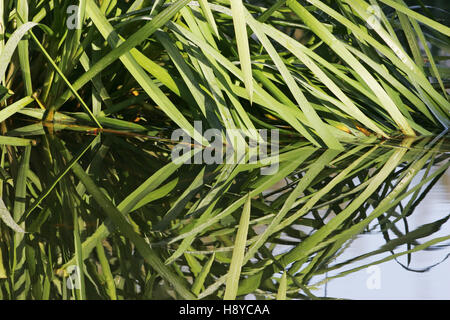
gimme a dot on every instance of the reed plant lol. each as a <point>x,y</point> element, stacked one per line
<point>93,207</point>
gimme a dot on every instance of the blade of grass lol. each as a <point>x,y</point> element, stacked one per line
<point>237,259</point>
<point>240,30</point>
<point>209,16</point>
<point>200,279</point>
<point>13,141</point>
<point>266,14</point>
<point>290,115</point>
<point>428,53</point>
<point>394,51</point>
<point>24,57</point>
<point>11,45</point>
<point>16,106</point>
<point>281,294</point>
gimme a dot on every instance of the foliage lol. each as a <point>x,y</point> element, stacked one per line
<point>356,89</point>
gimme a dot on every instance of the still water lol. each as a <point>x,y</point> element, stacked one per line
<point>395,281</point>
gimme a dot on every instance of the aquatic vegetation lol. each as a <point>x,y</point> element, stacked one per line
<point>94,207</point>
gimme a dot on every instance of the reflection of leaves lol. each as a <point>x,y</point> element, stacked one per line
<point>420,232</point>
<point>250,284</point>
<point>310,210</point>
<point>237,259</point>
<point>5,215</point>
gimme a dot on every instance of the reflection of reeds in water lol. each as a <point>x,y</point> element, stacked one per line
<point>426,278</point>
<point>126,194</point>
<point>109,209</point>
